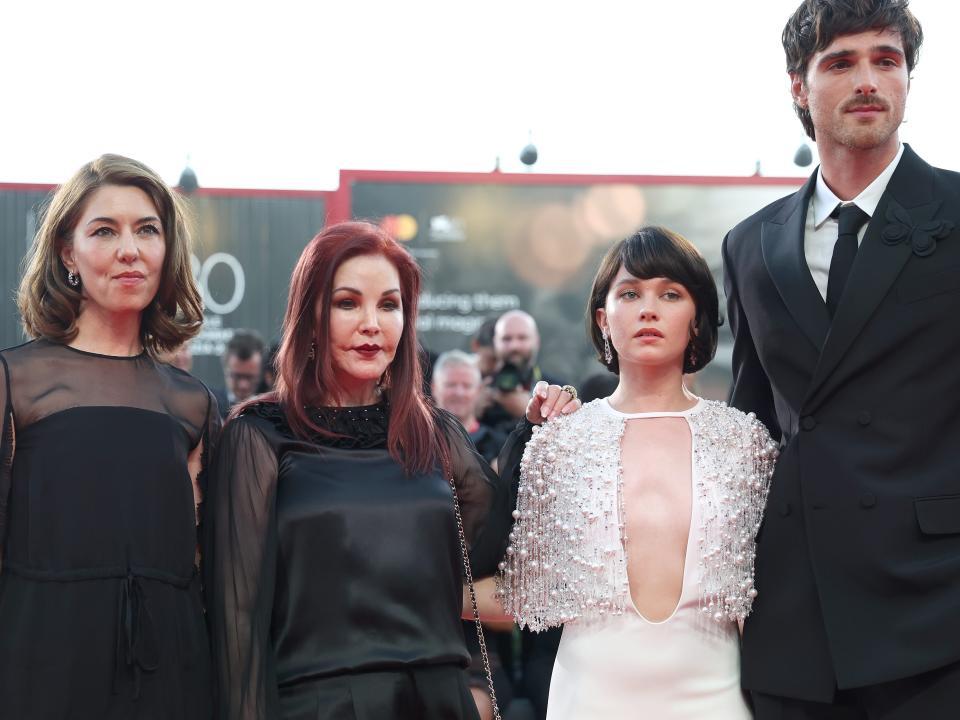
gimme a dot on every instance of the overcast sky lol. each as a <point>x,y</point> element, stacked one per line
<point>284,94</point>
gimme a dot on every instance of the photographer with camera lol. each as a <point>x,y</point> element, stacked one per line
<point>516,342</point>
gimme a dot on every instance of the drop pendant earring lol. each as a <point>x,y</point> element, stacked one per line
<point>691,353</point>
<point>607,352</point>
<point>73,278</point>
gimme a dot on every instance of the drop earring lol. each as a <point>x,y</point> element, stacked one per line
<point>607,352</point>
<point>691,353</point>
<point>73,278</point>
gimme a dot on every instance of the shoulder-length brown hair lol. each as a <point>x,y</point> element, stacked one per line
<point>412,437</point>
<point>653,252</point>
<point>49,306</point>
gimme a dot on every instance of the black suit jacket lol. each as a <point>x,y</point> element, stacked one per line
<point>858,557</point>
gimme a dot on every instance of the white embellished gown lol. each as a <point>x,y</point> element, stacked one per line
<point>568,560</point>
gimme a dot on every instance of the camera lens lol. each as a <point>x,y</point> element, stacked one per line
<point>507,379</point>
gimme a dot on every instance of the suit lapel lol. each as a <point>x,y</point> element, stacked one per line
<point>877,264</point>
<point>782,241</point>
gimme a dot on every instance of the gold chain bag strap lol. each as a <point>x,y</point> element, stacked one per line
<point>473,596</point>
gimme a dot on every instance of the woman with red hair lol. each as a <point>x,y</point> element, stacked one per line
<point>333,546</point>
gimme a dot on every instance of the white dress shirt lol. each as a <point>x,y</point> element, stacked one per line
<point>821,231</point>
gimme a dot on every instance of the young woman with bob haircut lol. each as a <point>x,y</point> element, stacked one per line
<point>101,453</point>
<point>636,515</point>
<point>333,558</point>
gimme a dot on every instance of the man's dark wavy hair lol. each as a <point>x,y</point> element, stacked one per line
<point>816,23</point>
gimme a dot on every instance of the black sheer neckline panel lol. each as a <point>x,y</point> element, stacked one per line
<point>47,378</point>
<point>104,356</point>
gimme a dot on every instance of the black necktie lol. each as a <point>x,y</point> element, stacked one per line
<point>850,218</point>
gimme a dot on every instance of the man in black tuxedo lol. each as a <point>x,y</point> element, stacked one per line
<point>844,302</point>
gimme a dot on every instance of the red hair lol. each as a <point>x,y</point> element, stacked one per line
<point>412,438</point>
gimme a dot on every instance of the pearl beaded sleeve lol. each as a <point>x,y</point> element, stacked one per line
<point>735,456</point>
<point>566,557</point>
<point>565,554</point>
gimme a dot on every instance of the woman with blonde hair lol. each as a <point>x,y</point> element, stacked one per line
<point>101,456</point>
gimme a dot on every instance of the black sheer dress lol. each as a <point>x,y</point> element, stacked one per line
<point>334,580</point>
<point>100,606</point>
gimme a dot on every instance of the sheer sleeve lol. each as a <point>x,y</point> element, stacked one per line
<point>6,450</point>
<point>484,500</point>
<point>210,438</point>
<point>512,453</point>
<point>239,560</point>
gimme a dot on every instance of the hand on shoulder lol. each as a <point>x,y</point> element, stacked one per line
<point>549,401</point>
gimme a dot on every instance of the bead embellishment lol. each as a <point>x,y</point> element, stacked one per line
<point>567,559</point>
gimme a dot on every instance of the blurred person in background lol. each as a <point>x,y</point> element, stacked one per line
<point>102,453</point>
<point>456,385</point>
<point>516,342</point>
<point>269,380</point>
<point>598,385</point>
<point>242,369</point>
<point>481,345</point>
<point>180,357</point>
<point>334,548</point>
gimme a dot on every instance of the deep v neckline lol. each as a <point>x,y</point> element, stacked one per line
<point>627,418</point>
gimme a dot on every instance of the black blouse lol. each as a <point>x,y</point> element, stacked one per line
<point>322,557</point>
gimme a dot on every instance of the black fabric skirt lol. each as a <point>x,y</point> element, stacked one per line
<point>64,651</point>
<point>422,693</point>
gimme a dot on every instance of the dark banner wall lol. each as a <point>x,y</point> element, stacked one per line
<point>246,250</point>
<point>486,248</point>
<point>19,211</point>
